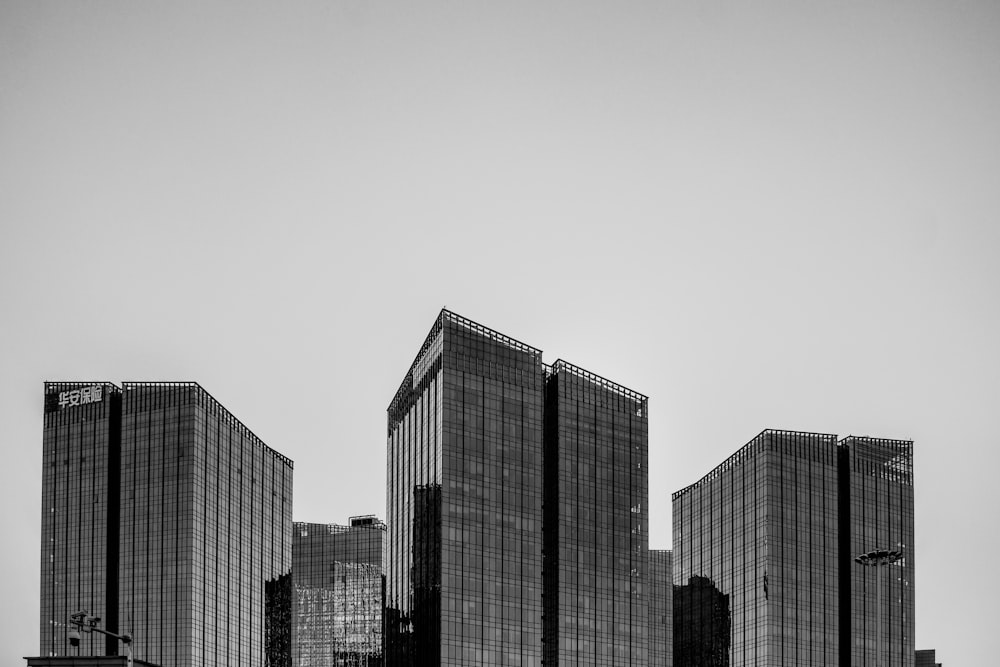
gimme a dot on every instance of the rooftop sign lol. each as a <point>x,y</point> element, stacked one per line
<point>81,396</point>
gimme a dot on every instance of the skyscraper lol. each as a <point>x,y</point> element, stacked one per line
<point>81,451</point>
<point>464,506</point>
<point>166,517</point>
<point>595,521</point>
<point>877,600</point>
<point>477,425</point>
<point>767,555</point>
<point>339,590</point>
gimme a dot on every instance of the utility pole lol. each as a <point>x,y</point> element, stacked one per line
<point>84,622</point>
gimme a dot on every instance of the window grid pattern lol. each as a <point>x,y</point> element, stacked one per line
<point>755,557</point>
<point>337,576</point>
<point>596,490</point>
<point>180,520</point>
<point>880,474</point>
<point>764,547</point>
<point>79,448</point>
<point>661,608</point>
<point>464,502</point>
<point>206,533</point>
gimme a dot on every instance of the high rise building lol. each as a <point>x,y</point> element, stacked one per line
<point>166,517</point>
<point>475,429</point>
<point>464,505</point>
<point>339,591</point>
<point>595,521</point>
<point>770,553</point>
<point>661,608</point>
<point>877,595</point>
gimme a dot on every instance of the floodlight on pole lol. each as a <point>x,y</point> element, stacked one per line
<point>84,622</point>
<point>879,558</point>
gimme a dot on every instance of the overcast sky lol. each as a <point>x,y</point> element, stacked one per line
<point>761,215</point>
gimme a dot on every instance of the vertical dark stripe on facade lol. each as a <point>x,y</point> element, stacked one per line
<point>48,600</point>
<point>74,567</point>
<point>240,555</point>
<point>159,465</point>
<point>788,568</point>
<point>114,520</point>
<point>550,538</point>
<point>201,630</point>
<point>227,555</point>
<point>128,575</point>
<point>146,496</point>
<point>171,533</point>
<point>217,509</point>
<point>844,560</point>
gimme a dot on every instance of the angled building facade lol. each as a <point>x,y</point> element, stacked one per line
<point>464,505</point>
<point>338,593</point>
<point>765,549</point>
<point>474,431</point>
<point>165,516</point>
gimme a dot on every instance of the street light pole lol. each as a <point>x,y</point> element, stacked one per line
<point>84,622</point>
<point>878,559</point>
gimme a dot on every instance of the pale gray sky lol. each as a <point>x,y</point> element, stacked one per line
<point>770,214</point>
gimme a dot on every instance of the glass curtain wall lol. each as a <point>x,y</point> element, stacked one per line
<point>755,556</point>
<point>464,502</point>
<point>596,442</point>
<point>879,479</point>
<point>765,547</point>
<point>338,581</point>
<point>661,608</point>
<point>80,442</point>
<point>205,533</point>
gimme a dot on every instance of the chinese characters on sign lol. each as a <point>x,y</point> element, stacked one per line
<point>82,396</point>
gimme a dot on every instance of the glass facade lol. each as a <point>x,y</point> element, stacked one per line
<point>764,548</point>
<point>464,502</point>
<point>878,477</point>
<point>481,435</point>
<point>198,528</point>
<point>80,449</point>
<point>339,586</point>
<point>596,525</point>
<point>661,608</point>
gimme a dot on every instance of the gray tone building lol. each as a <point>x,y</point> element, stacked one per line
<point>464,505</point>
<point>595,521</point>
<point>339,593</point>
<point>166,517</point>
<point>661,608</point>
<point>476,427</point>
<point>764,555</point>
<point>81,451</point>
